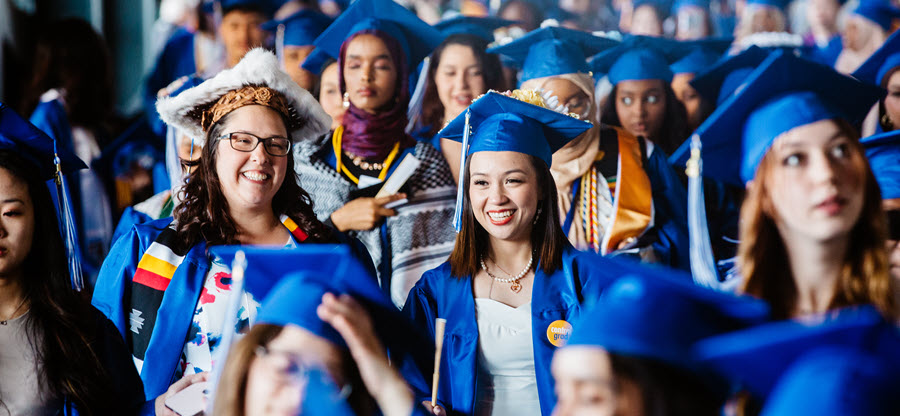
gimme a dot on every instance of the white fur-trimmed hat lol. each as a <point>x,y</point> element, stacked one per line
<point>259,67</point>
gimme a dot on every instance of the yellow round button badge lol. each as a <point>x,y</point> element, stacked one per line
<point>558,332</point>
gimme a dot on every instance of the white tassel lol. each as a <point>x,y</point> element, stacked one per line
<point>457,214</point>
<point>417,100</point>
<point>703,265</point>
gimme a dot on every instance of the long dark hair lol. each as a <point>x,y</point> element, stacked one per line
<point>71,56</point>
<point>60,322</point>
<point>231,396</point>
<point>674,130</point>
<point>203,211</point>
<point>889,126</point>
<point>491,71</point>
<point>666,389</point>
<point>547,236</point>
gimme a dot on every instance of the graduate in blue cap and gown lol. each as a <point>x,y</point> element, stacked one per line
<point>512,282</point>
<point>294,36</point>
<point>159,283</point>
<point>631,352</point>
<point>229,28</point>
<point>633,199</point>
<point>767,362</point>
<point>59,354</point>
<point>812,227</point>
<point>824,32</point>
<point>883,152</point>
<point>865,30</point>
<point>879,70</point>
<point>323,319</point>
<point>378,44</point>
<point>458,71</point>
<point>761,17</point>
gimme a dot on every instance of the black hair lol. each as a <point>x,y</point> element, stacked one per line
<point>674,130</point>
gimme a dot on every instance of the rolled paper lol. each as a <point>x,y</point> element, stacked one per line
<point>439,325</point>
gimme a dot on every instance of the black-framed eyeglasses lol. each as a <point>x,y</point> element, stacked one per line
<point>247,142</point>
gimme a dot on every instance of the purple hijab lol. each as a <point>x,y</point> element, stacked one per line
<point>372,136</point>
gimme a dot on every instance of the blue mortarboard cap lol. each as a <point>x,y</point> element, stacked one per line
<point>756,357</point>
<point>880,12</point>
<point>883,151</point>
<point>291,283</point>
<point>779,4</point>
<point>886,58</point>
<point>718,83</point>
<point>267,7</point>
<point>316,61</point>
<point>483,27</point>
<point>501,123</point>
<point>31,143</point>
<point>416,37</point>
<point>704,54</point>
<point>553,51</point>
<point>301,28</point>
<point>783,93</point>
<point>660,313</point>
<point>843,381</point>
<point>498,123</point>
<point>639,58</point>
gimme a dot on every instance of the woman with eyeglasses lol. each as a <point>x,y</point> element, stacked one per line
<point>162,289</point>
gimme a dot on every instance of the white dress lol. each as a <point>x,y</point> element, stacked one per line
<point>505,381</point>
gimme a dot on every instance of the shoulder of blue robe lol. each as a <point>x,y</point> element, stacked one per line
<point>130,217</point>
<point>50,117</point>
<point>670,212</point>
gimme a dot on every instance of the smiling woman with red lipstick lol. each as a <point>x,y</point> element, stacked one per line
<point>406,228</point>
<point>160,279</point>
<point>512,285</point>
<point>812,231</point>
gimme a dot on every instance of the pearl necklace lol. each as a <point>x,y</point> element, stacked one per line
<point>516,286</point>
<point>362,163</point>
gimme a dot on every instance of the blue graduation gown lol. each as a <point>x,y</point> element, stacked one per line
<point>558,296</point>
<point>176,311</point>
<point>669,212</point>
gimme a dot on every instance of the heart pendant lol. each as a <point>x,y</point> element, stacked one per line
<point>516,287</point>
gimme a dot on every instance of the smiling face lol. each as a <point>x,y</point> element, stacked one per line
<point>570,95</point>
<point>504,193</point>
<point>370,76</point>
<point>16,224</point>
<point>275,378</point>
<point>249,180</point>
<point>293,57</point>
<point>459,79</point>
<point>641,106</point>
<point>815,182</point>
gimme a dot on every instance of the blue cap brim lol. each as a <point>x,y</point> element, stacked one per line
<point>553,51</point>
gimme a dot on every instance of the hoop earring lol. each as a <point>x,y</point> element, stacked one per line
<point>346,102</point>
<point>537,216</point>
<point>886,121</point>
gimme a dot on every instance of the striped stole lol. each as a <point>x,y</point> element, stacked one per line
<point>152,277</point>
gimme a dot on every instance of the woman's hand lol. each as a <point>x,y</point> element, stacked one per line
<point>355,326</point>
<point>160,403</point>
<point>364,213</point>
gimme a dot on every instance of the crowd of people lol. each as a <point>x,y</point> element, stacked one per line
<point>686,208</point>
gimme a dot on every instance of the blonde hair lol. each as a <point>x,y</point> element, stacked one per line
<point>232,387</point>
<point>864,277</point>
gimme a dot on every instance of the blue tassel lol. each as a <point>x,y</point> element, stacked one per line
<point>70,235</point>
<point>703,265</point>
<point>460,189</point>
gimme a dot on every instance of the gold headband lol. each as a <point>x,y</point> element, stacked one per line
<point>247,95</point>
